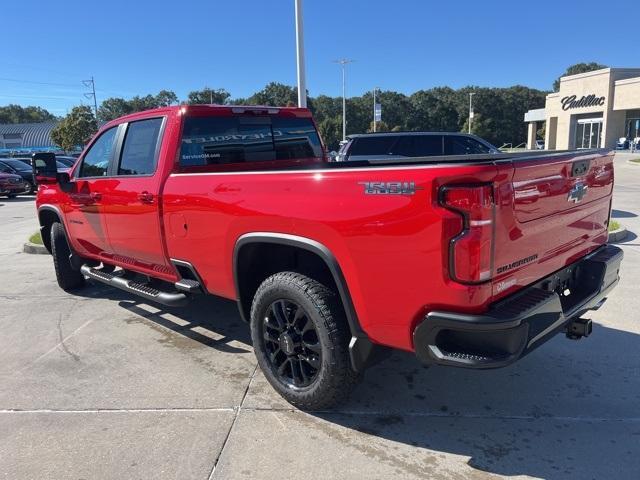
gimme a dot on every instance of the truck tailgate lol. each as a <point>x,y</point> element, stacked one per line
<point>553,210</point>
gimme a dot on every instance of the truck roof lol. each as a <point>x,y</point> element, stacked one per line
<point>212,109</point>
<point>411,132</point>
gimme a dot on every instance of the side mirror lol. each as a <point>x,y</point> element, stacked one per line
<point>45,168</point>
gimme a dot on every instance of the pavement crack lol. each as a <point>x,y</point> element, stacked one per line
<point>233,423</point>
<point>62,340</point>
<point>55,347</point>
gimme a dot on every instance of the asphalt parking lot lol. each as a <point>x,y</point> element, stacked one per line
<point>102,385</point>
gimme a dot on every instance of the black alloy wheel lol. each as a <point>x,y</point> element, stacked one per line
<point>301,340</point>
<point>292,344</point>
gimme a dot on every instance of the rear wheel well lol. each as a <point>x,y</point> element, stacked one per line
<point>258,260</point>
<point>47,218</point>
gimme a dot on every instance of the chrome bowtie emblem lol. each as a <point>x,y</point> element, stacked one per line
<point>577,193</point>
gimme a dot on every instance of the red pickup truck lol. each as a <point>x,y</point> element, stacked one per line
<point>469,261</point>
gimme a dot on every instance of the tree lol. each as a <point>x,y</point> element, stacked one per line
<point>115,107</point>
<point>17,114</point>
<point>275,94</point>
<point>76,129</point>
<point>434,110</point>
<point>575,69</point>
<point>331,132</point>
<point>381,126</point>
<point>165,98</point>
<point>218,96</point>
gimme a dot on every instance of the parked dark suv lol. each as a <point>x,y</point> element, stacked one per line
<point>16,167</point>
<point>382,146</point>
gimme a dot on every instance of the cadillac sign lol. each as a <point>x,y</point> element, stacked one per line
<point>572,101</point>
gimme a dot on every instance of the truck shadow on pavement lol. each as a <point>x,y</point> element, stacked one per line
<point>622,214</point>
<point>211,321</point>
<point>570,410</point>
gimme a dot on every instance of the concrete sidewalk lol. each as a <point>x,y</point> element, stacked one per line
<point>103,385</point>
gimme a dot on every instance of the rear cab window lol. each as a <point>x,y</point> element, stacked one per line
<point>418,146</point>
<point>247,142</point>
<point>140,148</point>
<point>395,146</point>
<point>461,145</point>
<point>372,146</point>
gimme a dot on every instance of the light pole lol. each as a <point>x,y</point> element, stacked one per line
<point>374,109</point>
<point>471,94</point>
<point>343,62</point>
<point>302,81</point>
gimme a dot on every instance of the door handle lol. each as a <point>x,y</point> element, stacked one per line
<point>95,196</point>
<point>145,197</point>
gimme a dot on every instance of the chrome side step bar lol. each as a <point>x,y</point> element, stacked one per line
<point>171,299</point>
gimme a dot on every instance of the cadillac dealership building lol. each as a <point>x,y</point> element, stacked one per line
<point>591,110</point>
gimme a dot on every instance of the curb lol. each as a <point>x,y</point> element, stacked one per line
<point>34,249</point>
<point>618,235</point>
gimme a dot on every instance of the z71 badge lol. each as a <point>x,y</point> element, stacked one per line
<point>390,188</point>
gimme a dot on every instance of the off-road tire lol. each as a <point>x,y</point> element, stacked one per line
<point>335,379</point>
<point>68,278</point>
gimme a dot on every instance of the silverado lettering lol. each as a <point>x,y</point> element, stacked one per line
<point>195,200</point>
<point>517,263</point>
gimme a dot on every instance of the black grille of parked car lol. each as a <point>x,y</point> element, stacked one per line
<point>15,180</point>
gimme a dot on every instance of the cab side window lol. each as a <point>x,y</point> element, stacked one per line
<point>96,161</point>
<point>139,152</point>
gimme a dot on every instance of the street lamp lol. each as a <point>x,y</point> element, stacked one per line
<point>375,110</point>
<point>471,94</point>
<point>302,81</point>
<point>343,62</point>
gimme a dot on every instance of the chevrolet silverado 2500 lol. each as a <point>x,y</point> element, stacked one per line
<point>468,261</point>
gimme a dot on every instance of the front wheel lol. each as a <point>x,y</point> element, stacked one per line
<point>301,339</point>
<point>68,278</point>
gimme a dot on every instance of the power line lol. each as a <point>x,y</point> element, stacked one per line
<point>59,97</point>
<point>17,80</point>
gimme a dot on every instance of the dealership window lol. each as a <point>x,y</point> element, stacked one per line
<point>632,127</point>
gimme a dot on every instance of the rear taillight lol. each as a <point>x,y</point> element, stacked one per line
<point>471,250</point>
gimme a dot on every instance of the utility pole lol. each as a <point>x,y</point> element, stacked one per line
<point>302,80</point>
<point>471,94</point>
<point>343,62</point>
<point>92,94</point>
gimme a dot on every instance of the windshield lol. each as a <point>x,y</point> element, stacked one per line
<point>66,160</point>
<point>17,165</point>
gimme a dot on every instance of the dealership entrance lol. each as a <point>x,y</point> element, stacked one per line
<point>598,109</point>
<point>588,133</point>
